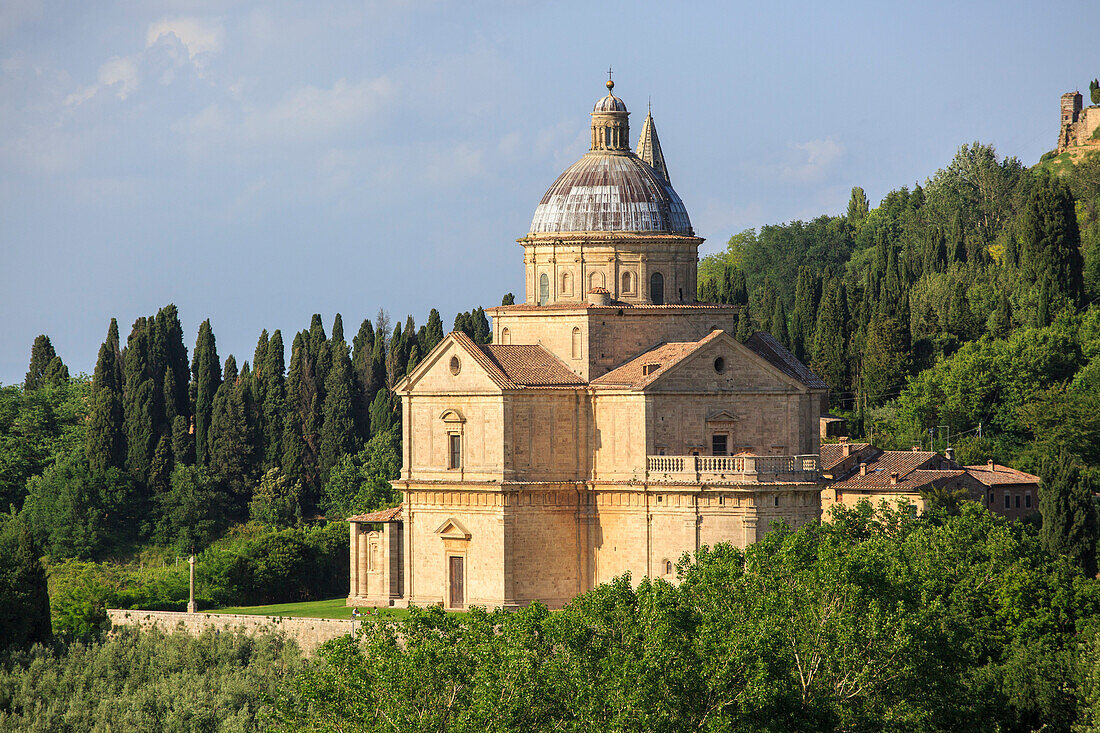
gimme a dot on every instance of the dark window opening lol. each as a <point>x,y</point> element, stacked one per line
<point>544,289</point>
<point>1017,501</point>
<point>657,288</point>
<point>718,445</point>
<point>1027,501</point>
<point>1008,501</point>
<point>455,459</point>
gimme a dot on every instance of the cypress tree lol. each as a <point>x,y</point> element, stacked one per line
<point>229,446</point>
<point>171,356</point>
<point>273,406</point>
<point>381,413</point>
<point>410,341</point>
<point>104,446</point>
<point>139,402</point>
<point>362,347</point>
<point>725,285</point>
<point>829,353</point>
<point>802,319</point>
<point>708,291</point>
<point>778,328</point>
<point>482,333</point>
<point>24,600</point>
<point>42,353</point>
<point>1050,240</point>
<point>395,359</point>
<point>338,429</point>
<point>433,333</point>
<point>739,291</point>
<point>1069,512</point>
<point>293,443</point>
<point>1000,321</point>
<point>57,374</point>
<point>183,443</point>
<point>508,299</point>
<point>338,328</point>
<point>1042,312</point>
<point>858,206</point>
<point>208,377</point>
<point>885,361</point>
<point>744,324</point>
<point>462,324</point>
<point>377,366</point>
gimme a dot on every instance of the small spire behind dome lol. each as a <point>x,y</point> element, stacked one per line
<point>649,148</point>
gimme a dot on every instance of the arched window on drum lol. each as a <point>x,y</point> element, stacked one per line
<point>657,288</point>
<point>544,289</point>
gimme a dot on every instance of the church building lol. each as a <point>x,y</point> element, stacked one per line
<point>613,424</point>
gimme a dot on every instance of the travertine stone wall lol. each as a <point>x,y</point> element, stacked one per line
<point>309,633</point>
<point>608,336</point>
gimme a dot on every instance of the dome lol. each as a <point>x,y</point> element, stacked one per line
<point>610,103</point>
<point>611,192</point>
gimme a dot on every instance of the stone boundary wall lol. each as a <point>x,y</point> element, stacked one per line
<point>310,633</point>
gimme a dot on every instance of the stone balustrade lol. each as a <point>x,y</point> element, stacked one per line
<point>732,469</point>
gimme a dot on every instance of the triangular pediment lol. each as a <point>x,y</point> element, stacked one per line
<point>722,416</point>
<point>452,529</point>
<point>749,364</point>
<point>456,364</point>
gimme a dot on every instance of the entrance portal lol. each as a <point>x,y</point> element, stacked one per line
<point>458,595</point>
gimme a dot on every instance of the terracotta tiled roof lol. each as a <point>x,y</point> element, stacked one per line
<point>643,370</point>
<point>914,481</point>
<point>396,514</point>
<point>530,365</point>
<point>775,354</point>
<point>495,373</point>
<point>996,475</point>
<point>833,453</point>
<point>904,461</point>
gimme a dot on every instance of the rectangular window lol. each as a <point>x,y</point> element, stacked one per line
<point>1017,501</point>
<point>455,458</point>
<point>1027,500</point>
<point>718,445</point>
<point>1008,501</point>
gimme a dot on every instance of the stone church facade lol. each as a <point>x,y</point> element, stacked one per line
<point>614,423</point>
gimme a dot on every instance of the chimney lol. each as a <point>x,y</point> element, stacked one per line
<point>915,449</point>
<point>863,469</point>
<point>949,452</point>
<point>842,439</point>
<point>894,478</point>
<point>847,449</point>
<point>991,465</point>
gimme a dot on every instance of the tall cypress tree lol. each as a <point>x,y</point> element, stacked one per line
<point>104,446</point>
<point>338,429</point>
<point>739,291</point>
<point>293,443</point>
<point>273,405</point>
<point>1069,514</point>
<point>139,402</point>
<point>395,358</point>
<point>829,353</point>
<point>362,348</point>
<point>744,324</point>
<point>230,447</point>
<point>42,353</point>
<point>1050,240</point>
<point>482,333</point>
<point>338,328</point>
<point>433,333</point>
<point>885,360</point>
<point>171,356</point>
<point>778,326</point>
<point>207,373</point>
<point>802,319</point>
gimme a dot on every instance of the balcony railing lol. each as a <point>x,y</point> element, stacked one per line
<point>732,469</point>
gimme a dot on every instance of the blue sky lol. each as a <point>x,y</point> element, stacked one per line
<point>255,163</point>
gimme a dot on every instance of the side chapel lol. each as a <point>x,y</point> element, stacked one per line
<point>612,425</point>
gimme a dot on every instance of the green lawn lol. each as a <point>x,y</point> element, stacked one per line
<point>333,608</point>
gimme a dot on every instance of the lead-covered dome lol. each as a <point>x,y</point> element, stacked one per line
<point>611,192</point>
<point>611,189</point>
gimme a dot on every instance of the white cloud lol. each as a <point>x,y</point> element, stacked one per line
<point>814,157</point>
<point>198,35</point>
<point>313,112</point>
<point>120,74</point>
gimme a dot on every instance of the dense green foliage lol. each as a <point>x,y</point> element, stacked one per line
<point>878,621</point>
<point>24,603</point>
<point>147,681</point>
<point>968,305</point>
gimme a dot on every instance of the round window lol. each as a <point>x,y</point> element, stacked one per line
<point>456,365</point>
<point>719,365</point>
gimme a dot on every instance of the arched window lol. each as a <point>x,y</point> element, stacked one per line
<point>657,288</point>
<point>505,336</point>
<point>628,283</point>
<point>566,284</point>
<point>668,567</point>
<point>544,289</point>
<point>576,343</point>
<point>607,136</point>
<point>595,280</point>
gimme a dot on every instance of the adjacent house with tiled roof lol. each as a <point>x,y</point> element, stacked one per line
<point>612,425</point>
<point>1011,493</point>
<point>896,477</point>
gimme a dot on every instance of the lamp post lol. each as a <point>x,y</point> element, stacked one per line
<point>191,602</point>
